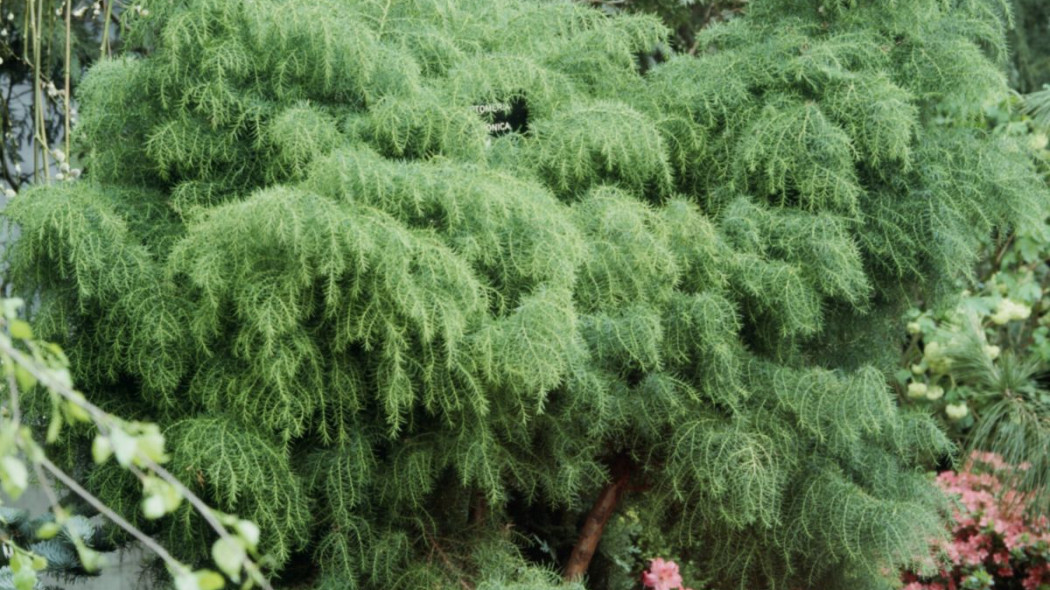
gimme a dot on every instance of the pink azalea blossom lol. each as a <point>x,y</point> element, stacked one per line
<point>662,575</point>
<point>992,533</point>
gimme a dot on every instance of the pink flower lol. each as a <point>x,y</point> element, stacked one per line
<point>662,575</point>
<point>992,531</point>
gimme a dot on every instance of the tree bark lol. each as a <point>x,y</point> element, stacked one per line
<point>479,509</point>
<point>604,506</point>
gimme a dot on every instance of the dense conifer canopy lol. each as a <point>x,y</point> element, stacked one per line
<point>361,313</point>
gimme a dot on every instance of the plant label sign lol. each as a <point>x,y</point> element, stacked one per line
<point>504,116</point>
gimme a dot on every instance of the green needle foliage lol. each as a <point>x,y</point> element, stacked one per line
<point>392,338</point>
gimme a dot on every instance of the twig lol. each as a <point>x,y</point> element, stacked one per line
<point>104,49</point>
<point>52,497</point>
<point>382,20</point>
<point>448,562</point>
<point>16,411</point>
<point>69,59</point>
<point>106,511</point>
<point>1002,251</point>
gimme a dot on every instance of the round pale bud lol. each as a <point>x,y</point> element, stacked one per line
<point>956,411</point>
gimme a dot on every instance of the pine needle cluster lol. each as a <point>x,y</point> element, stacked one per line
<point>386,335</point>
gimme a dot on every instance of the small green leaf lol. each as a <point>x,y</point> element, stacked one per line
<point>54,427</point>
<point>20,329</point>
<point>248,531</point>
<point>14,477</point>
<point>24,566</point>
<point>162,497</point>
<point>151,443</point>
<point>229,554</point>
<point>199,580</point>
<point>25,575</point>
<point>153,507</point>
<point>62,376</point>
<point>57,352</point>
<point>187,581</point>
<point>124,446</point>
<point>8,433</point>
<point>209,580</point>
<point>101,449</point>
<point>902,376</point>
<point>17,561</point>
<point>25,379</point>
<point>48,530</point>
<point>11,306</point>
<point>76,412</point>
<point>1029,249</point>
<point>92,560</point>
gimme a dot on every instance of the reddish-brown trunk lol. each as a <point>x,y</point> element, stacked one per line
<point>593,527</point>
<point>479,509</point>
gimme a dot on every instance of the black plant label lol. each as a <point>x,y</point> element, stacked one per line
<point>504,116</point>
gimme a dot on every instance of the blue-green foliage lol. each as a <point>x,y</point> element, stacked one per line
<point>365,318</point>
<point>60,550</point>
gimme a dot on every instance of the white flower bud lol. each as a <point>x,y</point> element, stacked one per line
<point>934,393</point>
<point>916,390</point>
<point>1021,311</point>
<point>956,411</point>
<point>932,350</point>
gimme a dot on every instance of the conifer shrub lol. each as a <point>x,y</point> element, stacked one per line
<point>404,334</point>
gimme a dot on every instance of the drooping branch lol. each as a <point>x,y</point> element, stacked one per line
<point>594,526</point>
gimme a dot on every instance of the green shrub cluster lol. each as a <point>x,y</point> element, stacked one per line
<point>981,362</point>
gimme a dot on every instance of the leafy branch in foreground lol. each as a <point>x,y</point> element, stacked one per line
<point>136,446</point>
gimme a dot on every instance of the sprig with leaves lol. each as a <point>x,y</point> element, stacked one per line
<point>136,446</point>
